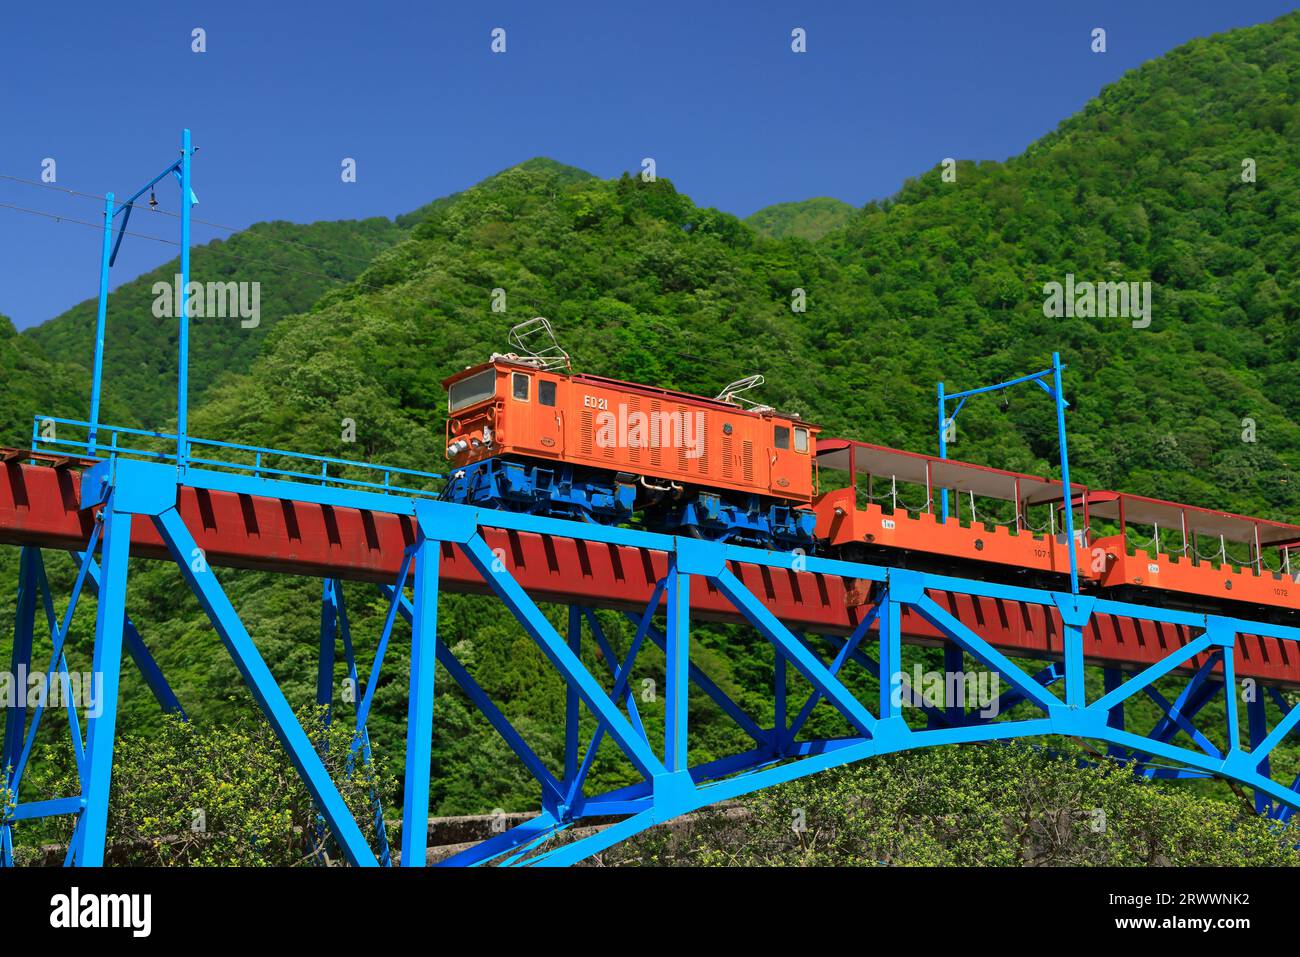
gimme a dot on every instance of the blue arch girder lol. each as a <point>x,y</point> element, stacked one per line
<point>670,784</point>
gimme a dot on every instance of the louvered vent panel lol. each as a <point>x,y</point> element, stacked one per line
<point>678,438</point>
<point>656,448</point>
<point>728,470</point>
<point>748,461</point>
<point>638,430</point>
<point>585,440</point>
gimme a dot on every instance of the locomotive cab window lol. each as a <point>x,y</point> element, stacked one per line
<point>519,386</point>
<point>546,392</point>
<point>471,391</point>
<point>781,435</point>
<point>801,440</point>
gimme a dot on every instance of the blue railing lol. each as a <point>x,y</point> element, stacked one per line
<point>112,441</point>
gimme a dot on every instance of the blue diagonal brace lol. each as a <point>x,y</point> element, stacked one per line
<point>139,651</point>
<point>716,694</point>
<point>841,657</point>
<point>381,649</point>
<point>500,723</point>
<point>541,826</point>
<point>58,663</point>
<point>787,644</point>
<point>1153,673</point>
<point>1180,720</point>
<point>261,683</point>
<point>1194,696</point>
<point>622,674</point>
<point>984,653</point>
<point>629,699</point>
<point>1280,731</point>
<point>557,650</point>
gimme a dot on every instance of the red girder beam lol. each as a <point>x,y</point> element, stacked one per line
<point>39,505</point>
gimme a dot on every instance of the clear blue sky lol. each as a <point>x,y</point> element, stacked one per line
<point>412,91</point>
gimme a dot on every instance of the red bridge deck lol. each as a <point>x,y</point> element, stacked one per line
<point>40,505</point>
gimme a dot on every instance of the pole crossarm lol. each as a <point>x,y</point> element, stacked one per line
<point>1049,380</point>
<point>109,248</point>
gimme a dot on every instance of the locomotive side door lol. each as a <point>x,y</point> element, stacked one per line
<point>551,395</point>
<point>535,425</point>
<point>791,461</point>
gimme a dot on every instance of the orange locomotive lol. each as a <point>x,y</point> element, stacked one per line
<point>526,434</point>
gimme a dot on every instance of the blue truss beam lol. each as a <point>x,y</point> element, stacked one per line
<point>845,652</point>
<point>794,651</point>
<point>629,699</point>
<point>715,693</point>
<point>621,678</point>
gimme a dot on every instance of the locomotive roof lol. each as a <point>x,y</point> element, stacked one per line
<point>637,387</point>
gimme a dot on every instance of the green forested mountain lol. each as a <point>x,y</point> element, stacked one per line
<point>294,264</point>
<point>31,383</point>
<point>945,280</point>
<point>810,219</point>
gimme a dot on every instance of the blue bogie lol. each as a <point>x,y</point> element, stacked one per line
<point>541,490</point>
<point>753,518</point>
<point>561,489</point>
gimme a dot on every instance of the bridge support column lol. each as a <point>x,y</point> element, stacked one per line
<point>419,713</point>
<point>110,619</point>
<point>678,653</point>
<point>1076,612</point>
<point>16,713</point>
<point>328,641</point>
<point>571,701</point>
<point>1257,728</point>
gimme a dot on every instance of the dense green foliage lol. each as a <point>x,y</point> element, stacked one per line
<point>984,805</point>
<point>810,219</point>
<point>945,280</point>
<point>224,795</point>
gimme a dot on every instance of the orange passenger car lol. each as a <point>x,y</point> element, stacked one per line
<point>1188,552</point>
<point>895,477</point>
